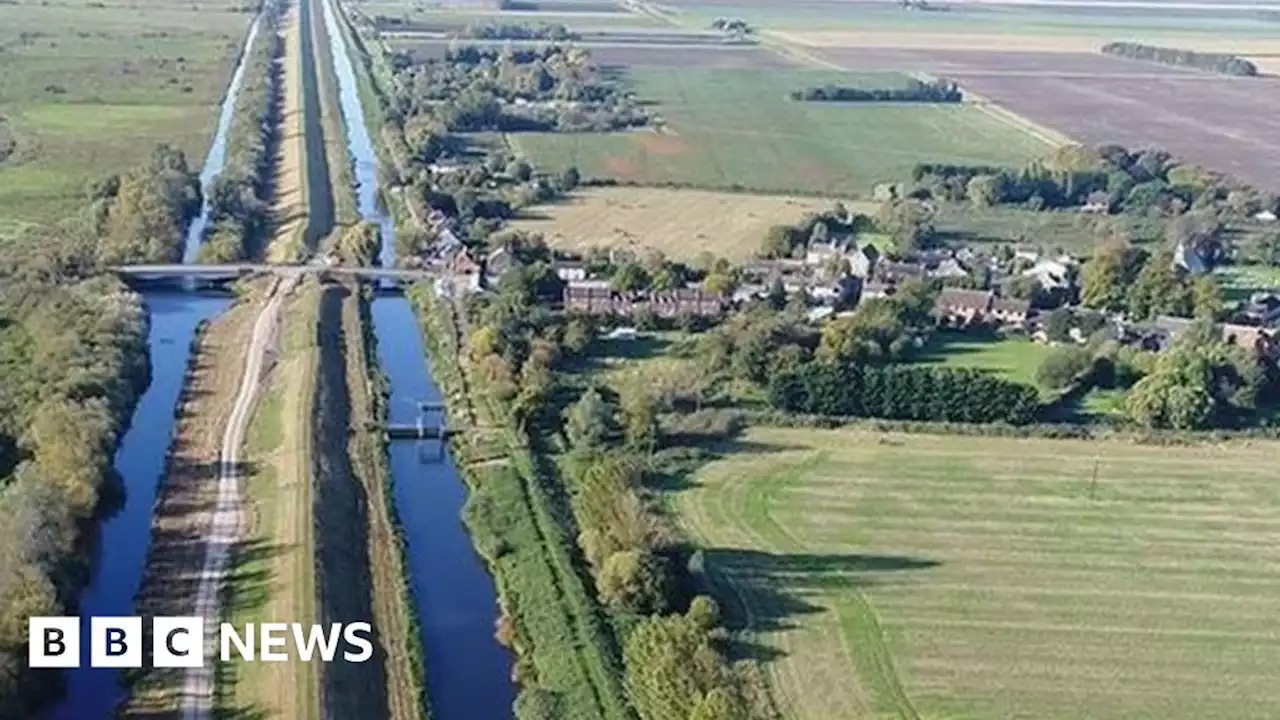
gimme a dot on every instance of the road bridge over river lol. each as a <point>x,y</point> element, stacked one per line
<point>232,271</point>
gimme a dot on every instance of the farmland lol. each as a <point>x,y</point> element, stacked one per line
<point>737,129</point>
<point>930,576</point>
<point>1221,123</point>
<point>89,90</point>
<point>679,223</point>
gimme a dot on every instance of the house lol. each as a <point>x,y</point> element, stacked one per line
<point>950,268</point>
<point>873,290</point>
<point>1051,274</point>
<point>1098,203</point>
<point>1265,216</point>
<point>570,270</point>
<point>821,253</point>
<point>834,293</point>
<point>1198,254</point>
<point>1263,309</point>
<point>820,313</point>
<point>895,272</point>
<point>962,307</point>
<point>591,297</point>
<point>862,261</point>
<point>496,264</point>
<point>686,301</point>
<point>1263,342</point>
<point>1008,311</point>
<point>621,333</point>
<point>746,293</point>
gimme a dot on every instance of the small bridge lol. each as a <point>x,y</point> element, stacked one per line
<point>217,274</point>
<point>429,425</point>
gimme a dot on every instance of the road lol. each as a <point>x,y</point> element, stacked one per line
<point>224,531</point>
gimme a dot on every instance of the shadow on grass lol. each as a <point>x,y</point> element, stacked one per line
<point>775,591</point>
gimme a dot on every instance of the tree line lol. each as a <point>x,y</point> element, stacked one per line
<point>240,198</point>
<point>517,31</point>
<point>141,215</point>
<point>1111,178</point>
<point>938,91</point>
<point>1213,62</point>
<point>904,392</point>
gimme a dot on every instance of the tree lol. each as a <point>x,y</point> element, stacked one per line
<point>909,222</point>
<point>639,420</point>
<point>630,277</point>
<point>636,581</point>
<point>569,179</point>
<point>1207,299</point>
<point>589,421</point>
<point>1159,289</point>
<point>983,190</point>
<point>875,332</point>
<point>1107,274</point>
<point>674,672</point>
<point>779,242</point>
<point>1057,325</point>
<point>1063,366</point>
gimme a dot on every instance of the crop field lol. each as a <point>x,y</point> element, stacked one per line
<point>737,129</point>
<point>912,576</point>
<point>88,89</point>
<point>1219,122</point>
<point>680,223</point>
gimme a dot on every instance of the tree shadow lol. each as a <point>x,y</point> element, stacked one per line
<point>774,591</point>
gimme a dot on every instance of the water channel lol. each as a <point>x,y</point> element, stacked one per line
<point>120,553</point>
<point>468,672</point>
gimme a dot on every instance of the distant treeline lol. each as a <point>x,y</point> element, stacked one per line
<point>903,392</point>
<point>940,91</point>
<point>1213,62</point>
<point>517,31</point>
<point>239,199</point>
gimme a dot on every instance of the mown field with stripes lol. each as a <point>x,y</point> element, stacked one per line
<point>919,576</point>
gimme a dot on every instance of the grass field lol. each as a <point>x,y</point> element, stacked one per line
<point>1070,232</point>
<point>732,128</point>
<point>91,88</point>
<point>1241,281</point>
<point>680,223</point>
<point>917,576</point>
<point>1013,359</point>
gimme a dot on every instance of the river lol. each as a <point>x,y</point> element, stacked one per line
<point>217,157</point>
<point>121,547</point>
<point>120,550</point>
<point>468,672</point>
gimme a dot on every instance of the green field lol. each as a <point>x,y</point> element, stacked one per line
<point>1013,359</point>
<point>1057,231</point>
<point>1241,281</point>
<point>918,576</point>
<point>89,90</point>
<point>736,128</point>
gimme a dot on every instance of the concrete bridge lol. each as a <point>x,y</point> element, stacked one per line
<point>217,274</point>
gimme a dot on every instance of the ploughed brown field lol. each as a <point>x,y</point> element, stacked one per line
<point>1224,123</point>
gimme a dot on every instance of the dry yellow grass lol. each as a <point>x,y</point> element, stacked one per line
<point>680,223</point>
<point>1008,42</point>
<point>290,203</point>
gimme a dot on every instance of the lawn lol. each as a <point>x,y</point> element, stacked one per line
<point>680,223</point>
<point>736,128</point>
<point>919,576</point>
<point>89,91</point>
<point>1013,359</point>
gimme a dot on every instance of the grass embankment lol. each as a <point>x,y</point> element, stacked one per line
<point>271,575</point>
<point>187,493</point>
<point>736,129</point>
<point>897,575</point>
<point>364,576</point>
<point>566,655</point>
<point>338,159</point>
<point>304,197</point>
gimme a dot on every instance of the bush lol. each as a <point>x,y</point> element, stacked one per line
<point>637,582</point>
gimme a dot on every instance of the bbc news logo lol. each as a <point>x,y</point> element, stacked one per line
<point>179,642</point>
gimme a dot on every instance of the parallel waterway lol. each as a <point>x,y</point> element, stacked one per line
<point>468,672</point>
<point>122,540</point>
<point>216,160</point>
<point>92,693</point>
